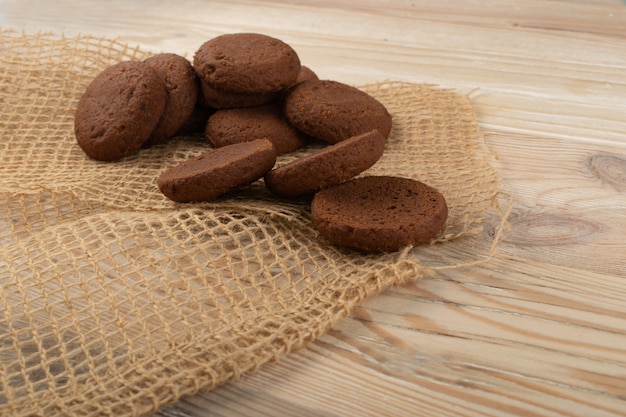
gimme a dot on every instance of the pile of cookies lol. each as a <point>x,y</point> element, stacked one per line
<point>254,101</point>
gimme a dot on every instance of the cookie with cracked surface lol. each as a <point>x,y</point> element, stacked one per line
<point>182,87</point>
<point>229,126</point>
<point>249,63</point>
<point>119,110</point>
<point>332,111</point>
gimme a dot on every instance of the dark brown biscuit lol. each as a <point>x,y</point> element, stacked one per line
<point>332,111</point>
<point>219,99</point>
<point>329,166</point>
<point>182,87</point>
<point>196,122</point>
<point>379,214</point>
<point>218,171</point>
<point>226,127</point>
<point>306,74</point>
<point>249,63</point>
<point>119,110</point>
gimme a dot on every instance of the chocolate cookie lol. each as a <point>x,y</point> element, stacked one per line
<point>329,166</point>
<point>226,127</point>
<point>332,111</point>
<point>249,63</point>
<point>182,87</point>
<point>196,122</point>
<point>119,110</point>
<point>220,99</point>
<point>379,214</point>
<point>306,74</point>
<point>218,171</point>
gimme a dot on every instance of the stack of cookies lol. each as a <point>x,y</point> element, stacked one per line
<point>254,101</point>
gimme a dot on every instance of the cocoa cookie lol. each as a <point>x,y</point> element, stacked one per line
<point>196,122</point>
<point>329,166</point>
<point>332,111</point>
<point>218,171</point>
<point>119,110</point>
<point>306,74</point>
<point>249,63</point>
<point>182,87</point>
<point>226,127</point>
<point>220,99</point>
<point>379,213</point>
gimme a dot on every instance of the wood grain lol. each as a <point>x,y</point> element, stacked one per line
<point>540,330</point>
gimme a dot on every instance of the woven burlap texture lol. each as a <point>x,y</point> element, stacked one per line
<point>115,300</point>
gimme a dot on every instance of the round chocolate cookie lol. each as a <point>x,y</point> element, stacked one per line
<point>219,99</point>
<point>182,87</point>
<point>218,171</point>
<point>249,63</point>
<point>379,213</point>
<point>196,122</point>
<point>332,111</point>
<point>119,110</point>
<point>306,74</point>
<point>329,166</point>
<point>226,127</point>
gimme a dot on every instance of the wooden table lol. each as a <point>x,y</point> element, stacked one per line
<point>538,330</point>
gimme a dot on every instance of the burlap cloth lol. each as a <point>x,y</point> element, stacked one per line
<point>115,300</point>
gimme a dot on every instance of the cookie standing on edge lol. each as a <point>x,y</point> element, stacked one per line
<point>332,111</point>
<point>182,87</point>
<point>119,110</point>
<point>218,171</point>
<point>329,166</point>
<point>379,213</point>
<point>249,63</point>
<point>244,124</point>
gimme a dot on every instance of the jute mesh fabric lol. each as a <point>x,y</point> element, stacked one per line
<point>115,300</point>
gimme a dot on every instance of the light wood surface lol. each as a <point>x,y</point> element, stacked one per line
<point>538,330</point>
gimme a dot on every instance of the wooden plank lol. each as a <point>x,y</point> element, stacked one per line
<point>604,17</point>
<point>509,337</point>
<point>538,330</point>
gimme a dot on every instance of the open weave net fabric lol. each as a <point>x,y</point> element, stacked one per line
<point>115,300</point>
